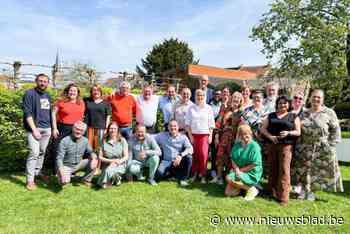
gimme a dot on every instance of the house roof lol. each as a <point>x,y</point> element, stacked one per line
<point>216,72</point>
<point>258,70</point>
<point>4,78</point>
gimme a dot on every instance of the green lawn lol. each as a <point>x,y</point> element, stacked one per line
<point>138,207</point>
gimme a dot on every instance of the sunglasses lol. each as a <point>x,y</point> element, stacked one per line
<point>297,98</point>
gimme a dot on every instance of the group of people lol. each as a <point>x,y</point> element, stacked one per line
<point>242,134</point>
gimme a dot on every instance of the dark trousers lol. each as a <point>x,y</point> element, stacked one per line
<point>213,153</point>
<point>279,159</point>
<point>181,172</point>
<point>64,130</point>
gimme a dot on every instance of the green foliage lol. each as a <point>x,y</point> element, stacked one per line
<point>12,135</point>
<point>169,54</point>
<point>310,39</point>
<point>107,90</point>
<point>232,85</point>
<point>345,134</point>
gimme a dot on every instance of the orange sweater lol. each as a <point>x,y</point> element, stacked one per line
<point>69,113</point>
<point>123,109</point>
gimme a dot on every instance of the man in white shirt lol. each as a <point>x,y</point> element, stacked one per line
<point>148,105</point>
<point>271,96</point>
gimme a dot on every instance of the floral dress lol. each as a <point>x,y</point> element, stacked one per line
<point>227,125</point>
<point>316,165</point>
<point>255,118</point>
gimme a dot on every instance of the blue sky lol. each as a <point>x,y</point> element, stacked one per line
<point>116,34</point>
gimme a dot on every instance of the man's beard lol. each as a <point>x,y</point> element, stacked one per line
<point>41,88</point>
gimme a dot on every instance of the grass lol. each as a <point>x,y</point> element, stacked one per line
<point>345,134</point>
<point>138,207</point>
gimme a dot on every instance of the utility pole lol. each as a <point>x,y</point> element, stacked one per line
<point>16,67</point>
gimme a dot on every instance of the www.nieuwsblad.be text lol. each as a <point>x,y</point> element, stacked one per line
<point>217,220</point>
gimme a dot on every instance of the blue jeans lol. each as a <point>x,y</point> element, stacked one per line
<point>126,132</point>
<point>181,172</point>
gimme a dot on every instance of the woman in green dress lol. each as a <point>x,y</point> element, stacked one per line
<point>246,165</point>
<point>114,157</point>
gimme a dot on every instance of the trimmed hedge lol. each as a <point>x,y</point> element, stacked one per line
<point>12,135</point>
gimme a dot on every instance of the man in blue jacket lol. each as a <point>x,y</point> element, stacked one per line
<point>37,122</point>
<point>203,85</point>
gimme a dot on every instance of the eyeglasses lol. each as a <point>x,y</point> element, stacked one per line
<point>297,98</point>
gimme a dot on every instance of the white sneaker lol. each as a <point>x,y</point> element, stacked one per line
<point>141,178</point>
<point>118,181</point>
<point>203,180</point>
<point>220,181</point>
<point>214,180</point>
<point>251,194</point>
<point>183,183</point>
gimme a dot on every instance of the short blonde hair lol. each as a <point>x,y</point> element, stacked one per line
<point>243,128</point>
<point>238,94</point>
<point>198,91</point>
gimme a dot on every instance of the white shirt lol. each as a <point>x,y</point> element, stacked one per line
<point>200,119</point>
<point>148,110</point>
<point>179,113</point>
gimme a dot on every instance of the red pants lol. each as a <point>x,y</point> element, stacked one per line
<point>200,155</point>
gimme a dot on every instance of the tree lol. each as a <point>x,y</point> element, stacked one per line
<point>167,55</point>
<point>83,74</point>
<point>310,39</point>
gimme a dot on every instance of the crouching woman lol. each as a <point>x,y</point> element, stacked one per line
<point>114,157</point>
<point>246,165</point>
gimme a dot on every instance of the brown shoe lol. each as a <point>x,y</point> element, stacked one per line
<point>44,178</point>
<point>107,185</point>
<point>87,183</point>
<point>31,186</point>
<point>129,178</point>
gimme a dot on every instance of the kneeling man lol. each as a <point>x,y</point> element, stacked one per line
<point>143,152</point>
<point>177,154</point>
<point>70,154</point>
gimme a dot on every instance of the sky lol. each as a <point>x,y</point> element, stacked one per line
<point>114,35</point>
